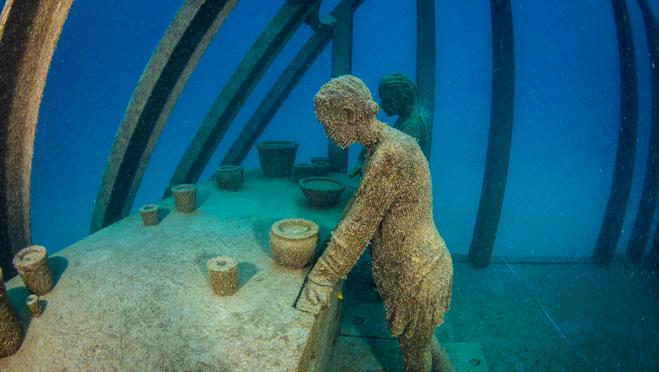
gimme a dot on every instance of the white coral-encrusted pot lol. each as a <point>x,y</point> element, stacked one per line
<point>293,242</point>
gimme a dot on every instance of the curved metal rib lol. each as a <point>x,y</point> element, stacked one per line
<point>500,137</point>
<point>29,31</point>
<point>160,85</point>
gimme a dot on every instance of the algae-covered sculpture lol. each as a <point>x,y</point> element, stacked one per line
<point>391,209</point>
<point>32,265</point>
<point>10,327</point>
<point>398,97</point>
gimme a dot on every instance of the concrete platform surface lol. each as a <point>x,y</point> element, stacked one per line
<point>136,298</point>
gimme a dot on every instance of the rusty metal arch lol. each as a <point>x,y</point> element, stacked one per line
<point>29,31</point>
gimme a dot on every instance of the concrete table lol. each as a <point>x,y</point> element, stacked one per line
<point>136,298</point>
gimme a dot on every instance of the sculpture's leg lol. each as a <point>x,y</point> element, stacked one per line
<point>417,349</point>
<point>440,359</point>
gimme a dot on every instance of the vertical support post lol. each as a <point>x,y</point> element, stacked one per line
<point>341,65</point>
<point>29,31</point>
<point>426,66</point>
<point>500,136</point>
<point>648,203</point>
<point>624,164</point>
<point>653,255</point>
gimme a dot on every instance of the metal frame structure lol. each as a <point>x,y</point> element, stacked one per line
<point>29,31</point>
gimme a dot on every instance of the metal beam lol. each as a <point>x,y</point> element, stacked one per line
<point>29,31</point>
<point>426,66</point>
<point>648,202</point>
<point>616,206</point>
<point>158,89</point>
<point>282,88</point>
<point>239,86</point>
<point>341,65</point>
<point>500,136</point>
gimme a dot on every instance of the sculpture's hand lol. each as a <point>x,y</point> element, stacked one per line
<point>314,297</point>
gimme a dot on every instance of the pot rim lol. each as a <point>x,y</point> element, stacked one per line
<point>18,258</point>
<point>276,145</point>
<point>227,168</point>
<point>149,208</point>
<point>312,231</point>
<point>184,187</point>
<point>303,181</point>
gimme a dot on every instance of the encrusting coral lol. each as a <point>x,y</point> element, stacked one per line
<point>10,327</point>
<point>391,210</point>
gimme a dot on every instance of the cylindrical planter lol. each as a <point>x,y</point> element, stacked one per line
<point>150,214</point>
<point>34,305</point>
<point>277,157</point>
<point>223,275</point>
<point>302,170</point>
<point>293,242</point>
<point>185,197</point>
<point>32,265</point>
<point>229,177</point>
<point>10,328</point>
<point>321,168</point>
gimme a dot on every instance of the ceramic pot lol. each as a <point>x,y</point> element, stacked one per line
<point>32,265</point>
<point>229,177</point>
<point>277,157</point>
<point>321,191</point>
<point>321,168</point>
<point>185,197</point>
<point>150,214</point>
<point>293,242</point>
<point>302,170</point>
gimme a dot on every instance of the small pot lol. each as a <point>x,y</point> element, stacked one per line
<point>32,265</point>
<point>293,242</point>
<point>321,191</point>
<point>277,157</point>
<point>321,168</point>
<point>302,170</point>
<point>185,197</point>
<point>150,214</point>
<point>229,177</point>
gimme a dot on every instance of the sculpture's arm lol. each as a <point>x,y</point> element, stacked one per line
<point>358,226</point>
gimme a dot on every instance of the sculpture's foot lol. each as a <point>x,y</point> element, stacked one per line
<point>440,359</point>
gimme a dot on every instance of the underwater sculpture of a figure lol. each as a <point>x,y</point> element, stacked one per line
<point>398,97</point>
<point>391,209</point>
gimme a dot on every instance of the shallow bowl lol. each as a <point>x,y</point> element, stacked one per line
<point>322,191</point>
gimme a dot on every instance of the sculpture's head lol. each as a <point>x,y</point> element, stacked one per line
<point>346,110</point>
<point>397,94</point>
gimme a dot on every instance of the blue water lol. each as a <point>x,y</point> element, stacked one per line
<point>565,130</point>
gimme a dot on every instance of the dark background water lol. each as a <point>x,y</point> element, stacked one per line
<point>566,110</point>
